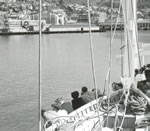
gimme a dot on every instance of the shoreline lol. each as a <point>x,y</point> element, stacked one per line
<point>72,28</point>
<point>57,30</point>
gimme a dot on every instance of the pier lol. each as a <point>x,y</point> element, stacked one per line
<point>101,27</point>
<point>57,29</point>
<point>141,25</point>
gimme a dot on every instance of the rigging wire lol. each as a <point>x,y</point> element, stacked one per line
<point>92,57</point>
<point>107,75</point>
<point>110,65</point>
<point>121,49</point>
<point>119,10</point>
<point>40,63</point>
<point>126,95</point>
<point>129,39</point>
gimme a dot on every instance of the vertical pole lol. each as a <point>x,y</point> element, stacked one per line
<point>110,65</point>
<point>131,34</point>
<point>92,59</point>
<point>40,43</point>
<point>134,41</point>
<point>143,54</point>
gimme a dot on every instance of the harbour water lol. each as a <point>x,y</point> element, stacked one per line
<point>66,66</point>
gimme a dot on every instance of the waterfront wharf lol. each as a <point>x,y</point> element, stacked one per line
<point>57,29</point>
<point>141,25</point>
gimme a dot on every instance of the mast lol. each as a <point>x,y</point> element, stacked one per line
<point>39,73</point>
<point>130,31</point>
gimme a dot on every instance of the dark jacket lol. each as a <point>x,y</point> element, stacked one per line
<point>76,103</point>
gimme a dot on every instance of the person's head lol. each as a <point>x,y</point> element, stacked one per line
<point>59,100</point>
<point>114,86</point>
<point>136,71</point>
<point>148,66</point>
<point>84,89</point>
<point>98,92</point>
<point>119,86</point>
<point>56,107</point>
<point>75,94</point>
<point>142,69</point>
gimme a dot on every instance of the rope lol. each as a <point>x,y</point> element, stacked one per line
<point>121,52</point>
<point>92,54</point>
<point>111,40</point>
<point>116,22</point>
<point>116,118</point>
<point>40,67</point>
<point>110,60</point>
<point>125,103</point>
<point>136,104</point>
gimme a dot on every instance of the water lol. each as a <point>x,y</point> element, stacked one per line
<point>66,66</point>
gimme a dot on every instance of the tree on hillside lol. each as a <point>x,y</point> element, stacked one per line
<point>107,3</point>
<point>61,2</point>
<point>69,11</point>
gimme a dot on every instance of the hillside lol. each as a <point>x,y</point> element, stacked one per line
<point>140,3</point>
<point>107,3</point>
<point>92,2</point>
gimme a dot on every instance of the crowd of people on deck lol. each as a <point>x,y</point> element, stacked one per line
<point>62,108</point>
<point>142,76</point>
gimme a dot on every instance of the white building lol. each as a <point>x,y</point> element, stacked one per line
<point>102,17</point>
<point>57,17</point>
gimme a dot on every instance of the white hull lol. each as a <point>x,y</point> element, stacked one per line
<point>86,119</point>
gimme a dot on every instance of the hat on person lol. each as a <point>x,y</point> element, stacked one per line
<point>59,100</point>
<point>56,106</point>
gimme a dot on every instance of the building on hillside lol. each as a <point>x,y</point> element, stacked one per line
<point>102,17</point>
<point>46,16</point>
<point>82,18</point>
<point>57,17</point>
<point>74,17</point>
